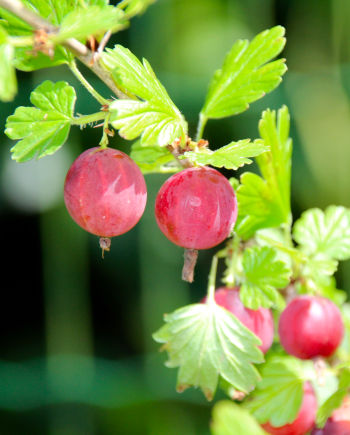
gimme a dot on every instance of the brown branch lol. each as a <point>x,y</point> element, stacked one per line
<point>85,55</point>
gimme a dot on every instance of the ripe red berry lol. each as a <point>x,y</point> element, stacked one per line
<point>105,192</point>
<point>338,423</point>
<point>305,419</point>
<point>260,321</point>
<point>196,208</point>
<point>310,326</point>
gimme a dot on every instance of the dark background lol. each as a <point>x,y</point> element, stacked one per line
<point>76,354</point>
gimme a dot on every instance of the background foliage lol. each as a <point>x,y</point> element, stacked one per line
<point>76,350</point>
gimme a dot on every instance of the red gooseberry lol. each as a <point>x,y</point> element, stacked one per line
<point>310,326</point>
<point>196,208</point>
<point>105,192</point>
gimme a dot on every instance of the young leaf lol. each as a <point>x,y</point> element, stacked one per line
<point>8,82</point>
<point>229,419</point>
<point>153,159</point>
<point>278,396</point>
<point>335,400</point>
<point>326,233</point>
<point>156,118</point>
<point>231,156</point>
<point>43,129</point>
<point>263,275</point>
<point>92,20</point>
<point>264,202</point>
<point>246,74</point>
<point>206,341</point>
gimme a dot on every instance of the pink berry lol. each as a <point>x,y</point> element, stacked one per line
<point>196,208</point>
<point>260,321</point>
<point>338,423</point>
<point>310,326</point>
<point>105,192</point>
<point>305,419</point>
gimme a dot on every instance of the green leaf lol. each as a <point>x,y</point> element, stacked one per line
<point>246,74</point>
<point>43,129</point>
<point>153,159</point>
<point>135,7</point>
<point>335,400</point>
<point>278,396</point>
<point>206,341</point>
<point>263,275</point>
<point>231,419</point>
<point>326,233</point>
<point>55,12</point>
<point>264,202</point>
<point>8,81</point>
<point>231,156</point>
<point>156,119</point>
<point>93,20</point>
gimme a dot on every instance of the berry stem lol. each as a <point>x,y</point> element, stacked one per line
<point>190,256</point>
<point>87,119</point>
<point>201,125</point>
<point>233,261</point>
<point>212,280</point>
<point>104,140</point>
<point>73,67</point>
<point>21,41</point>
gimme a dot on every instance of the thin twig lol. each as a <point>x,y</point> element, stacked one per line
<point>80,50</point>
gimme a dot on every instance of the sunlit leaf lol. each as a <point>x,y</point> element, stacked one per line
<point>42,129</point>
<point>205,342</point>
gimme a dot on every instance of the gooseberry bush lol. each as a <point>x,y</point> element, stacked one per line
<point>275,335</point>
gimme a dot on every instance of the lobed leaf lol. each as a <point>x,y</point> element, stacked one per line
<point>156,119</point>
<point>228,418</point>
<point>278,396</point>
<point>263,275</point>
<point>246,74</point>
<point>231,156</point>
<point>206,341</point>
<point>264,202</point>
<point>42,129</point>
<point>326,233</point>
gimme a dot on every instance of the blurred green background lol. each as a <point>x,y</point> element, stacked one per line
<point>76,354</point>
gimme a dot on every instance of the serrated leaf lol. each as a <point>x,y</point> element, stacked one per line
<point>263,275</point>
<point>335,400</point>
<point>231,419</point>
<point>278,396</point>
<point>231,156</point>
<point>156,119</point>
<point>326,233</point>
<point>83,22</point>
<point>43,129</point>
<point>264,202</point>
<point>8,81</point>
<point>153,159</point>
<point>206,341</point>
<point>246,74</point>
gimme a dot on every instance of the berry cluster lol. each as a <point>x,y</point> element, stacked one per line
<point>105,193</point>
<point>309,327</point>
